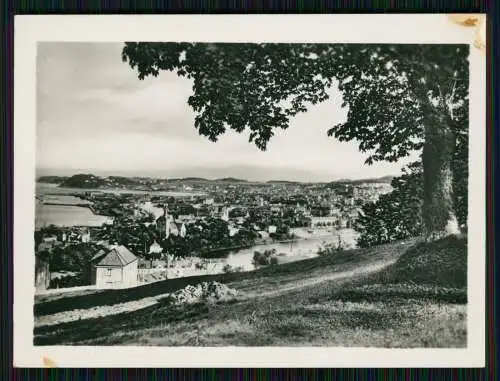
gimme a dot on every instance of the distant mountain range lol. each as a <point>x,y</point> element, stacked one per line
<point>95,182</point>
<point>246,172</point>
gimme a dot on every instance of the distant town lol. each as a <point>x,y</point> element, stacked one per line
<point>115,231</point>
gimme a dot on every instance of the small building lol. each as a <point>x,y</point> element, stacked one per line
<point>42,274</point>
<point>233,230</point>
<point>50,239</point>
<point>271,229</point>
<point>155,248</point>
<point>166,225</point>
<point>177,228</point>
<point>85,235</point>
<point>225,214</point>
<point>187,218</point>
<point>115,266</point>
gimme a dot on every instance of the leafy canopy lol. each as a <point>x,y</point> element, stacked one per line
<point>389,89</point>
<point>398,215</point>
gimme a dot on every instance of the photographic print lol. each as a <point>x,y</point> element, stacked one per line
<point>198,193</point>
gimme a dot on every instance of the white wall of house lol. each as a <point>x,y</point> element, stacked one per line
<point>183,230</point>
<point>322,220</point>
<point>108,276</point>
<point>117,276</point>
<point>130,274</point>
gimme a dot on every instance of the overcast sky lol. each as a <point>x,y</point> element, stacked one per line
<point>94,115</point>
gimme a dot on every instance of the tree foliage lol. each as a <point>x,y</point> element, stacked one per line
<point>396,215</point>
<point>259,87</point>
<point>400,98</point>
<point>73,257</point>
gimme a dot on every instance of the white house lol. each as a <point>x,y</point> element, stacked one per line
<point>271,229</point>
<point>115,266</point>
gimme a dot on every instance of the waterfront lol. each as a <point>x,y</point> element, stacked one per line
<point>63,208</point>
<point>46,188</point>
<point>303,247</point>
<point>67,216</point>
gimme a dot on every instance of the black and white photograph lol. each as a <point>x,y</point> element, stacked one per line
<point>256,193</point>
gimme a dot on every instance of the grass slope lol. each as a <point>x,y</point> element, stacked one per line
<point>398,295</point>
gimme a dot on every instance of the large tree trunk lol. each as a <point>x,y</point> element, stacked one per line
<point>438,213</point>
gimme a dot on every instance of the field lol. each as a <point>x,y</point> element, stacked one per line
<point>406,294</point>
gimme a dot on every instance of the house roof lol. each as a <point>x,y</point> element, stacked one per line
<point>115,256</point>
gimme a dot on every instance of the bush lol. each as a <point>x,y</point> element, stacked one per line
<point>331,249</point>
<point>266,258</point>
<point>230,269</point>
<point>200,266</point>
<point>67,281</point>
<point>397,215</point>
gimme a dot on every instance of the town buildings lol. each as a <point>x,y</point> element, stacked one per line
<point>225,215</point>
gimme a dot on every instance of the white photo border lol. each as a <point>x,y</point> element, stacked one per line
<point>360,28</point>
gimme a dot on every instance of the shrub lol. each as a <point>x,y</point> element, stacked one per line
<point>397,215</point>
<point>230,269</point>
<point>331,249</point>
<point>200,266</point>
<point>268,257</point>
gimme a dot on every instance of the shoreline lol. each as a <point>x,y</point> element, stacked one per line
<point>57,190</point>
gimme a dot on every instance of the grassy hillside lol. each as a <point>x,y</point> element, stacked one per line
<point>405,294</point>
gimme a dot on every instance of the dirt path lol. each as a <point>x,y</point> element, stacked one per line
<point>96,312</point>
<point>368,269</point>
<point>101,311</point>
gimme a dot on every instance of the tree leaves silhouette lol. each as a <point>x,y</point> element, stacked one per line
<point>400,98</point>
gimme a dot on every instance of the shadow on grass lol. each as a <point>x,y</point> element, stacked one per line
<point>310,322</point>
<point>438,296</point>
<point>279,318</point>
<point>104,327</point>
<point>441,263</point>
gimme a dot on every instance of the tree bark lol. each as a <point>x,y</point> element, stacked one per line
<point>438,212</point>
